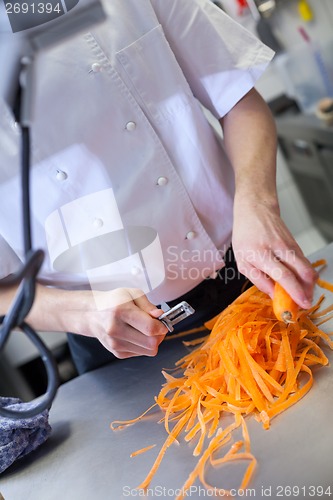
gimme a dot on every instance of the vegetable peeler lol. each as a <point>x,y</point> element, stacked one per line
<point>175,314</point>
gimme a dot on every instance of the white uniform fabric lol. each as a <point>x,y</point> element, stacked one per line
<point>120,142</point>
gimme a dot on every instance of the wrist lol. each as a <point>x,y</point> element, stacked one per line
<point>250,200</point>
<point>59,310</point>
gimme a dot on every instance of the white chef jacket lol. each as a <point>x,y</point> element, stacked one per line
<point>121,147</point>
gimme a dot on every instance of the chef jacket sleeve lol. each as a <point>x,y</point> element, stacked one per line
<point>220,59</point>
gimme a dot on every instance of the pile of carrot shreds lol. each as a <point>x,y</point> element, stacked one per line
<point>250,364</point>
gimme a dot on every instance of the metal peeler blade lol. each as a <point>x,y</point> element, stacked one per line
<point>176,314</point>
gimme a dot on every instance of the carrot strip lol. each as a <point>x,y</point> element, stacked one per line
<point>124,423</point>
<point>142,450</point>
<point>187,332</point>
<point>202,423</point>
<point>325,284</point>
<point>170,439</point>
<point>323,312</point>
<point>320,262</point>
<point>328,318</point>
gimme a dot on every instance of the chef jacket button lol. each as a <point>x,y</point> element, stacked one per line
<point>98,223</point>
<point>96,67</point>
<point>15,125</point>
<point>135,271</point>
<point>61,175</point>
<point>162,181</point>
<point>190,235</point>
<point>130,126</point>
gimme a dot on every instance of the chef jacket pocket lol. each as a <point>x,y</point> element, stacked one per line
<point>152,70</point>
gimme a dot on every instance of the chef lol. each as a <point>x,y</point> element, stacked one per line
<point>136,199</point>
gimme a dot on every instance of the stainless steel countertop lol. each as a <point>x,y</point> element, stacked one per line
<point>84,460</point>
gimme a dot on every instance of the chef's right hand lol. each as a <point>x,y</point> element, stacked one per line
<point>125,322</point>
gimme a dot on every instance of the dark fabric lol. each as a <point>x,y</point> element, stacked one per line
<point>88,353</point>
<point>21,436</point>
<point>208,299</point>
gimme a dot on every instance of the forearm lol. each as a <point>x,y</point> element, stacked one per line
<point>250,142</point>
<point>265,249</point>
<point>53,309</point>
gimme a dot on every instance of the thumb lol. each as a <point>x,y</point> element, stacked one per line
<point>155,312</point>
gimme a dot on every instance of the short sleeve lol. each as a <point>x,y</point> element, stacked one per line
<point>220,59</point>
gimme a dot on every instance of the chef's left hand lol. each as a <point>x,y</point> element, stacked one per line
<point>266,252</point>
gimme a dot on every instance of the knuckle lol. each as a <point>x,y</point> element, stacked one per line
<point>117,312</point>
<point>287,274</point>
<point>153,351</point>
<point>154,328</point>
<point>153,343</point>
<point>150,329</point>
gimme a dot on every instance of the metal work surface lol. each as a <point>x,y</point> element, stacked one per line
<point>85,460</point>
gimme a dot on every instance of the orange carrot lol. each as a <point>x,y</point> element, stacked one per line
<point>251,363</point>
<point>284,307</point>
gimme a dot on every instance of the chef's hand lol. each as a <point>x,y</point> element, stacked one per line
<point>266,252</point>
<point>125,323</point>
<point>123,320</point>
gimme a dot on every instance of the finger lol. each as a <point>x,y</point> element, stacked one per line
<point>294,258</point>
<point>260,279</point>
<point>134,343</point>
<point>301,267</point>
<point>280,272</point>
<point>135,337</point>
<point>126,355</point>
<point>145,320</point>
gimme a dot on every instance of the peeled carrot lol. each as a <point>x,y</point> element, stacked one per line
<point>251,363</point>
<point>284,307</point>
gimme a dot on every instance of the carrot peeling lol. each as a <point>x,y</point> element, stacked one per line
<point>284,307</point>
<point>325,284</point>
<point>254,362</point>
<point>142,450</point>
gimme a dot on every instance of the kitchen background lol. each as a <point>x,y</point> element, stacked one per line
<point>300,75</point>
